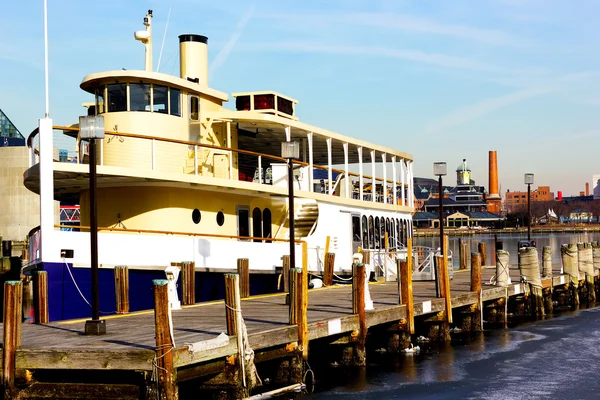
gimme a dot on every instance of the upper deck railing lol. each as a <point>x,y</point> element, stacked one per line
<point>190,158</point>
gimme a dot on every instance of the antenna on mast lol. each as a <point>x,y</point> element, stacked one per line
<point>46,58</point>
<point>163,41</point>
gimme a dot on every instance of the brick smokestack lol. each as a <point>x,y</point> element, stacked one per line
<point>587,188</point>
<point>493,198</point>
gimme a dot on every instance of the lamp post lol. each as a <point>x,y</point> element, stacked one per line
<point>291,151</point>
<point>439,170</point>
<point>92,128</point>
<point>529,182</point>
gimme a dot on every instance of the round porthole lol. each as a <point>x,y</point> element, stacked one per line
<point>220,218</point>
<point>196,215</point>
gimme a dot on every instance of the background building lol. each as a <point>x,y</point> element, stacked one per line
<point>516,201</point>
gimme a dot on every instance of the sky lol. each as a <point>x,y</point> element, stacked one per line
<point>441,80</point>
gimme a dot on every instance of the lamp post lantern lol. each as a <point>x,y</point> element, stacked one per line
<point>92,128</point>
<point>529,182</point>
<point>291,151</point>
<point>439,170</point>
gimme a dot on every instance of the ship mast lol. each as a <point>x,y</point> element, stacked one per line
<point>146,38</point>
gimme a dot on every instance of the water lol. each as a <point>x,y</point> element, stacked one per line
<point>556,358</point>
<point>510,242</point>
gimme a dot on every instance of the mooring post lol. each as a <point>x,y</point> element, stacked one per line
<point>188,283</point>
<point>570,262</point>
<point>167,389</point>
<point>40,297</point>
<point>358,307</point>
<point>407,293</point>
<point>12,305</point>
<point>122,288</point>
<point>303,305</point>
<point>328,269</point>
<point>446,278</point>
<point>483,252</point>
<point>464,255</point>
<point>586,268</point>
<point>285,271</point>
<point>408,273</point>
<point>231,286</point>
<point>475,272</point>
<point>243,269</point>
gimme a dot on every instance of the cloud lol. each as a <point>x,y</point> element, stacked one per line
<point>223,55</point>
<point>410,55</point>
<point>484,107</point>
<point>409,23</point>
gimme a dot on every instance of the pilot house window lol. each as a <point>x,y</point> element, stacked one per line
<point>174,102</point>
<point>117,97</point>
<point>140,97</point>
<point>160,99</point>
<point>100,100</point>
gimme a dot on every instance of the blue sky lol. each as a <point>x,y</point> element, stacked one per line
<point>442,80</point>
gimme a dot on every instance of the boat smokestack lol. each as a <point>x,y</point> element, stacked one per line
<point>193,58</point>
<point>493,198</point>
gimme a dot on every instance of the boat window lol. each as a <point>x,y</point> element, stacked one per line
<point>194,108</point>
<point>377,229</point>
<point>174,102</point>
<point>220,218</point>
<point>257,224</point>
<point>365,232</point>
<point>356,228</point>
<point>390,235</point>
<point>117,97</point>
<point>159,99</point>
<point>100,99</point>
<point>139,94</point>
<point>267,224</point>
<point>382,233</point>
<point>243,216</point>
<point>196,216</point>
<point>371,233</point>
<point>398,237</point>
<point>392,229</point>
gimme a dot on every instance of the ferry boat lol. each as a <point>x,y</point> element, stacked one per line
<point>183,178</point>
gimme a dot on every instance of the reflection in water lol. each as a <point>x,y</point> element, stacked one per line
<point>510,243</point>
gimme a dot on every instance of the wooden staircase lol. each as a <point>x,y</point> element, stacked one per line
<point>305,219</point>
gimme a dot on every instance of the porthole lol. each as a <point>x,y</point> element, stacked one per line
<point>220,218</point>
<point>196,215</point>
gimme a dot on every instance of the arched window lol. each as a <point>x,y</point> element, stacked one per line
<point>257,231</point>
<point>371,233</point>
<point>389,233</point>
<point>365,232</point>
<point>382,232</point>
<point>404,232</point>
<point>397,243</point>
<point>266,231</point>
<point>377,233</point>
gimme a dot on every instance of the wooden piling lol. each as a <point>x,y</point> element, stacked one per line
<point>295,289</point>
<point>243,269</point>
<point>406,293</point>
<point>167,389</point>
<point>188,283</point>
<point>122,289</point>
<point>12,306</point>
<point>303,305</point>
<point>285,260</point>
<point>232,284</point>
<point>464,255</point>
<point>483,252</point>
<point>475,272</point>
<point>40,297</point>
<point>328,269</point>
<point>358,307</point>
<point>408,273</point>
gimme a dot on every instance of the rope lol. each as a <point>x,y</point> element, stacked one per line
<point>529,265</point>
<point>79,290</point>
<point>568,253</point>
<point>547,261</point>
<point>585,261</point>
<point>502,267</point>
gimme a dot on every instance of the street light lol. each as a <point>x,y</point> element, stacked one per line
<point>92,128</point>
<point>529,182</point>
<point>291,151</point>
<point>439,170</point>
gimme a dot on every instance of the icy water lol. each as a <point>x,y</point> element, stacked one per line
<point>558,358</point>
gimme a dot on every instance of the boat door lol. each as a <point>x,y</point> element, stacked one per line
<point>356,233</point>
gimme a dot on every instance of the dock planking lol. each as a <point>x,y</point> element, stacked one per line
<point>130,340</point>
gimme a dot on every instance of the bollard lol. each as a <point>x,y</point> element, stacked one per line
<point>547,261</point>
<point>286,273</point>
<point>295,288</point>
<point>570,263</point>
<point>188,283</point>
<point>475,272</point>
<point>12,306</point>
<point>232,285</point>
<point>358,307</point>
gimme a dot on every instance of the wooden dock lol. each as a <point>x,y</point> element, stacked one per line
<point>56,360</point>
